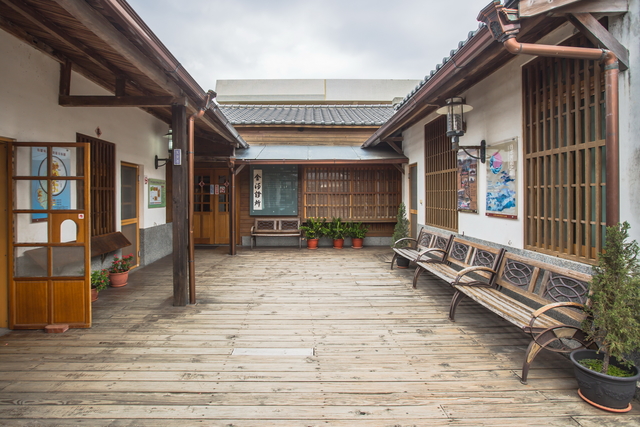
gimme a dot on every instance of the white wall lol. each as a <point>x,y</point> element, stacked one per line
<point>625,29</point>
<point>29,112</point>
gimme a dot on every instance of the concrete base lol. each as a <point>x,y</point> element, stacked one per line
<point>325,242</point>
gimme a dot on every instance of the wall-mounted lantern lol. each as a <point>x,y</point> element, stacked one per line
<point>455,110</point>
<point>169,136</point>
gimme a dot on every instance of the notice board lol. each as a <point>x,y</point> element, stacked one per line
<point>274,190</point>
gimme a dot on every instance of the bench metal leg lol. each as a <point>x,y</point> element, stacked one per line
<point>395,256</point>
<point>253,241</point>
<point>457,297</point>
<point>416,275</point>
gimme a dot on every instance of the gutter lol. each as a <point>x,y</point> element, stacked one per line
<point>469,52</point>
<point>505,26</point>
<point>170,67</point>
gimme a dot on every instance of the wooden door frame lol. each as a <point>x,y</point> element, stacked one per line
<point>137,199</point>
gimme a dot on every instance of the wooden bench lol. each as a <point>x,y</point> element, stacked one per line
<point>426,240</point>
<point>276,227</point>
<point>543,300</point>
<point>462,261</point>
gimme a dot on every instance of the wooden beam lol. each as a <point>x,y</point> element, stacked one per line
<point>120,101</point>
<point>600,36</point>
<point>65,78</point>
<point>121,85</point>
<point>394,146</point>
<point>536,7</point>
<point>399,167</point>
<point>605,7</point>
<point>101,27</point>
<point>180,208</point>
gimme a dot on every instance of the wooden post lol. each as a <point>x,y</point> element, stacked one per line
<point>232,212</point>
<point>180,175</point>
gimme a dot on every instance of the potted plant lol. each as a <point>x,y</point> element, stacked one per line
<point>400,234</point>
<point>606,378</point>
<point>337,230</point>
<point>119,270</point>
<point>99,282</point>
<point>313,231</point>
<point>357,231</point>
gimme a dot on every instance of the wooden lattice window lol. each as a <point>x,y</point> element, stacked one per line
<point>440,177</point>
<point>564,156</point>
<point>363,193</point>
<point>103,185</point>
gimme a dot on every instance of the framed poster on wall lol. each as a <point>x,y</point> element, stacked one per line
<point>502,184</point>
<point>467,181</point>
<point>157,193</point>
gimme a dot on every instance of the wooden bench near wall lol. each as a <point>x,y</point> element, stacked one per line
<point>276,227</point>
<point>543,300</point>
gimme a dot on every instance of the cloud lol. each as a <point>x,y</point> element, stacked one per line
<point>224,39</point>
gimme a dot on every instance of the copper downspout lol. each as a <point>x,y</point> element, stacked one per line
<point>504,25</point>
<point>612,138</point>
<point>190,154</point>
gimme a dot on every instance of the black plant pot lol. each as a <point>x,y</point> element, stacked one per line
<point>606,392</point>
<point>402,262</point>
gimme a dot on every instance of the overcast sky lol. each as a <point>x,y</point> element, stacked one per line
<point>302,39</point>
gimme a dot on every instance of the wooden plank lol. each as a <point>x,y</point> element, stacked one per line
<point>601,7</point>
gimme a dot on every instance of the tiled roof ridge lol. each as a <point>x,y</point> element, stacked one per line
<point>446,59</point>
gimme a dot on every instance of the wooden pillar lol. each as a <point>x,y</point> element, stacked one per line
<point>180,175</point>
<point>232,212</point>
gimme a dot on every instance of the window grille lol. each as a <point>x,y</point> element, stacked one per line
<point>367,193</point>
<point>103,185</point>
<point>564,156</point>
<point>440,177</point>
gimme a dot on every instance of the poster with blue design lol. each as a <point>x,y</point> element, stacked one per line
<point>502,185</point>
<point>61,191</point>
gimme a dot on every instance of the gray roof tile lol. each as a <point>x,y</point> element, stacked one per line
<point>328,115</point>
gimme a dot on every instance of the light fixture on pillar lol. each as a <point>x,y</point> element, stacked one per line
<point>169,136</point>
<point>455,110</point>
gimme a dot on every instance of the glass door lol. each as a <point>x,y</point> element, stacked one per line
<point>50,236</point>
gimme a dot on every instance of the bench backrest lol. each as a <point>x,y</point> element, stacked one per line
<point>464,254</point>
<point>542,282</point>
<point>276,224</point>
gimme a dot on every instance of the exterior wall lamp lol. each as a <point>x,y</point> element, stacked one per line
<point>455,110</point>
<point>169,136</point>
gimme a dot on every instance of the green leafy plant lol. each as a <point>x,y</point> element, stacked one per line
<point>121,265</point>
<point>401,230</point>
<point>613,320</point>
<point>315,228</point>
<point>100,279</point>
<point>357,230</point>
<point>337,229</point>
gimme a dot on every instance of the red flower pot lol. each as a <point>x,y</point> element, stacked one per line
<point>338,243</point>
<point>118,279</point>
<point>312,243</point>
<point>94,294</point>
<point>357,243</point>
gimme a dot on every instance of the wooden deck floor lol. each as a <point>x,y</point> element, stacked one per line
<point>383,353</point>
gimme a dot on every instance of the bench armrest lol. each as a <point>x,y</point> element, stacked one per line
<point>429,251</point>
<point>406,238</point>
<point>473,269</point>
<point>539,312</point>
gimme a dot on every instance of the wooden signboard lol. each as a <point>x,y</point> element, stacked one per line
<point>536,7</point>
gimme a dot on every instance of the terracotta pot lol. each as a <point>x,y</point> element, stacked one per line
<point>312,243</point>
<point>357,243</point>
<point>94,294</point>
<point>118,279</point>
<point>338,243</point>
